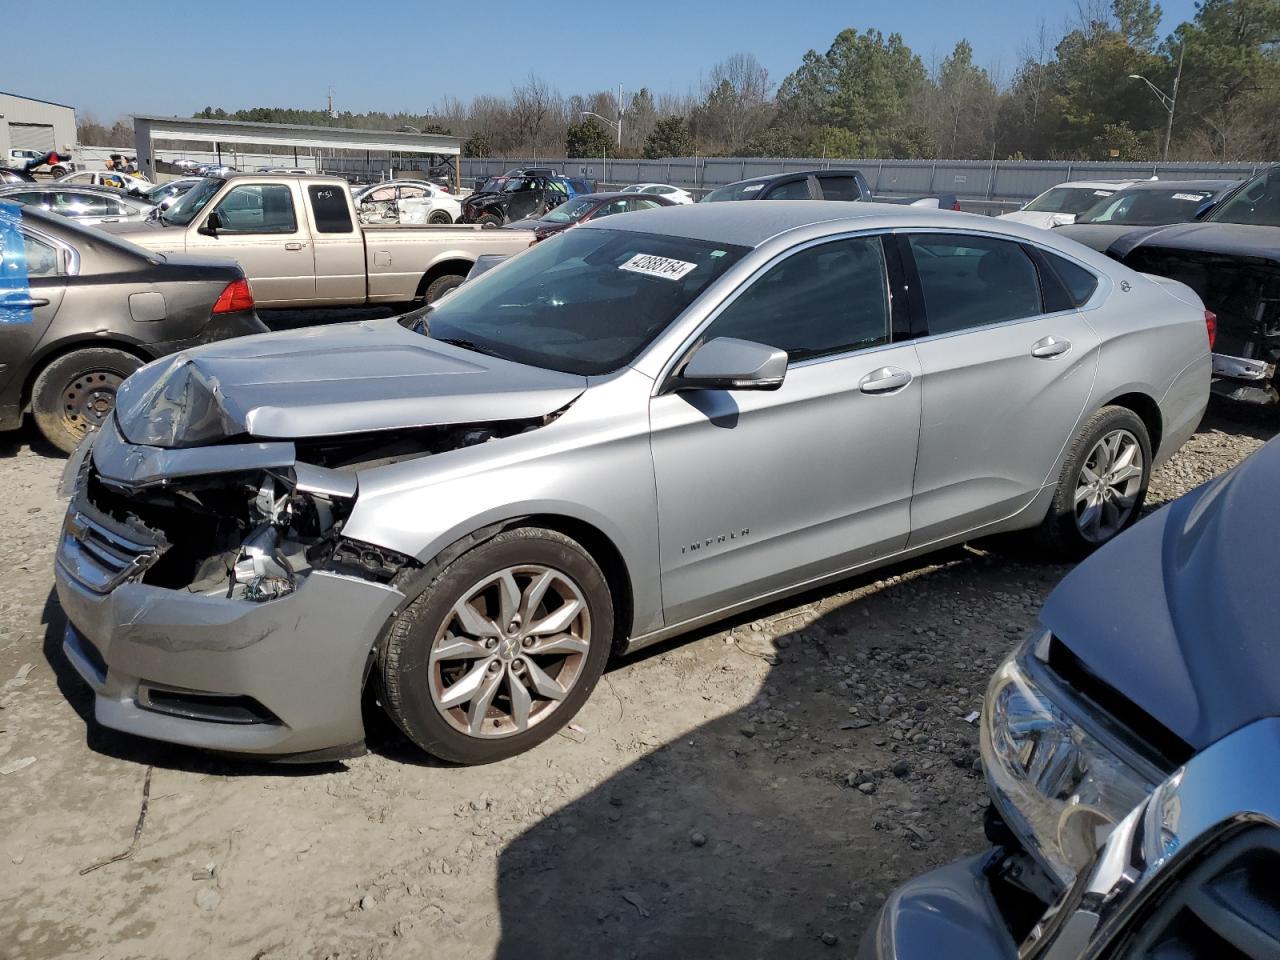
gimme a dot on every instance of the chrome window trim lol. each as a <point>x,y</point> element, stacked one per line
<point>70,255</point>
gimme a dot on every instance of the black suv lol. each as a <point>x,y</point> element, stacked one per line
<point>519,197</point>
<point>805,185</point>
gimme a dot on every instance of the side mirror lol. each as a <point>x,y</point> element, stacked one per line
<point>211,225</point>
<point>729,364</point>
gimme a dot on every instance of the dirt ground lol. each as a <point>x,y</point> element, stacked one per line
<point>752,791</point>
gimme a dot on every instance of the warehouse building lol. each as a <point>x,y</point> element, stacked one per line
<point>27,124</point>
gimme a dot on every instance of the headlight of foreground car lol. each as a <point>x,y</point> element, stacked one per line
<point>1059,787</point>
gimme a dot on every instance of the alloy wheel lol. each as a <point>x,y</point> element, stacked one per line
<point>1108,487</point>
<point>509,651</point>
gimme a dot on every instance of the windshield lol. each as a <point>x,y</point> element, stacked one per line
<point>192,202</point>
<point>571,211</point>
<point>1067,200</point>
<point>735,191</point>
<point>585,302</point>
<point>1147,208</point>
<point>1256,203</point>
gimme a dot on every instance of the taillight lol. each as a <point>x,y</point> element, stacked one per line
<point>1211,325</point>
<point>234,298</point>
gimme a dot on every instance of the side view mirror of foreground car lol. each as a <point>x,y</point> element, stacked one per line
<point>211,225</point>
<point>729,364</point>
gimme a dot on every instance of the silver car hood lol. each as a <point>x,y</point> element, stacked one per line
<point>328,381</point>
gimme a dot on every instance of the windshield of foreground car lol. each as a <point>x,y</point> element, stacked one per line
<point>585,302</point>
<point>1147,208</point>
<point>186,207</point>
<point>571,211</point>
<point>1067,200</point>
<point>1256,203</point>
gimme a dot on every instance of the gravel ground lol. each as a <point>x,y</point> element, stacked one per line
<point>752,791</point>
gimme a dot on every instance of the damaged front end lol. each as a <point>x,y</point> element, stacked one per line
<point>1244,293</point>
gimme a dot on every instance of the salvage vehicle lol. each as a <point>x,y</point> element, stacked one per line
<point>674,194</point>
<point>59,164</point>
<point>1231,258</point>
<point>10,175</point>
<point>406,201</point>
<point>592,206</point>
<point>80,311</point>
<point>1059,205</point>
<point>1148,204</point>
<point>301,243</point>
<point>518,198</point>
<point>849,185</point>
<point>128,182</point>
<point>87,205</point>
<point>1144,711</point>
<point>475,505</point>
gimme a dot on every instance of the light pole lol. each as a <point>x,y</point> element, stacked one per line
<point>1170,103</point>
<point>616,125</point>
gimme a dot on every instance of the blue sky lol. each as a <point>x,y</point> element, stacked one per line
<point>395,55</point>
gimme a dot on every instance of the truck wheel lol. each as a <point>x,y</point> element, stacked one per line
<point>501,650</point>
<point>1102,486</point>
<point>489,220</point>
<point>439,216</point>
<point>77,392</point>
<point>442,285</point>
<point>58,171</point>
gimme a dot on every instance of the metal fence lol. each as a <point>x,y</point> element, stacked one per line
<point>978,184</point>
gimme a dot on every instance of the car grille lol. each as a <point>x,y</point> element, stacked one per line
<point>101,558</point>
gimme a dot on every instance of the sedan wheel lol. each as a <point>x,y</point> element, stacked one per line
<point>1107,490</point>
<point>502,647</point>
<point>76,392</point>
<point>510,651</point>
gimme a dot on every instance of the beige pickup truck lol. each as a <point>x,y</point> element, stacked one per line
<point>301,244</point>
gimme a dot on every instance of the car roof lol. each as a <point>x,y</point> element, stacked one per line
<point>1097,184</point>
<point>58,187</point>
<point>1211,186</point>
<point>751,224</point>
<point>788,175</point>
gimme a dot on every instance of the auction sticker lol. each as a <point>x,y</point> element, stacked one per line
<point>652,265</point>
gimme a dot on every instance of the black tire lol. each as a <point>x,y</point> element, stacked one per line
<point>438,287</point>
<point>439,216</point>
<point>1060,533</point>
<point>76,393</point>
<point>489,220</point>
<point>403,656</point>
<point>58,171</point>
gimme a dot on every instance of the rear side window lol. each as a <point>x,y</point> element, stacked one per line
<point>827,299</point>
<point>840,188</point>
<point>1080,283</point>
<point>329,204</point>
<point>795,190</point>
<point>970,282</point>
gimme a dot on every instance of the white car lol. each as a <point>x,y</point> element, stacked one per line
<point>407,201</point>
<point>19,159</point>
<point>1059,205</point>
<point>674,194</point>
<point>108,178</point>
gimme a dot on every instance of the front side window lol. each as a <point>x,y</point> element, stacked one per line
<point>795,190</point>
<point>79,204</point>
<point>257,208</point>
<point>971,282</point>
<point>610,208</point>
<point>1257,203</point>
<point>1067,200</point>
<point>827,299</point>
<point>586,302</point>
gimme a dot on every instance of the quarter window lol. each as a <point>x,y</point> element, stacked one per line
<point>1080,283</point>
<point>826,299</point>
<point>971,282</point>
<point>258,208</point>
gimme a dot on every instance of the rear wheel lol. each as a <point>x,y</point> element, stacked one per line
<point>439,216</point>
<point>77,392</point>
<point>438,287</point>
<point>502,648</point>
<point>1103,483</point>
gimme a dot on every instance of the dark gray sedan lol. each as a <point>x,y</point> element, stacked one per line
<point>81,310</point>
<point>1148,204</point>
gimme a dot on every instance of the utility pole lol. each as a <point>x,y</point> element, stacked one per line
<point>620,116</point>
<point>1170,103</point>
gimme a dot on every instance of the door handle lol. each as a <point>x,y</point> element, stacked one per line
<point>884,380</point>
<point>25,302</point>
<point>294,245</point>
<point>109,220</point>
<point>1050,347</point>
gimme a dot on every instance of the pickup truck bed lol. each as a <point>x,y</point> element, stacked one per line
<point>301,244</point>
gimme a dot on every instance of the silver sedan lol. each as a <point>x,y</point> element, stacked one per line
<point>85,204</point>
<point>633,429</point>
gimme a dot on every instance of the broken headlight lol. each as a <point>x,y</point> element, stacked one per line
<point>1059,787</point>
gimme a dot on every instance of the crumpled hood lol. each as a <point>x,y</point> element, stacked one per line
<point>327,381</point>
<point>1181,614</point>
<point>1227,239</point>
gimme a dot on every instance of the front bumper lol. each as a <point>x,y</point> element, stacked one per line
<point>277,678</point>
<point>949,912</point>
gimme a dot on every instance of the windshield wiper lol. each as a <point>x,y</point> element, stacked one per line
<point>469,345</point>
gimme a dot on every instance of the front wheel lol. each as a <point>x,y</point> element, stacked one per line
<point>1103,483</point>
<point>489,220</point>
<point>502,648</point>
<point>76,393</point>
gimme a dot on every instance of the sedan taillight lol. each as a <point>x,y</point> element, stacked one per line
<point>1211,325</point>
<point>235,297</point>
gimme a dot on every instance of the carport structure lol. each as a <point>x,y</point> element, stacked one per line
<point>221,132</point>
